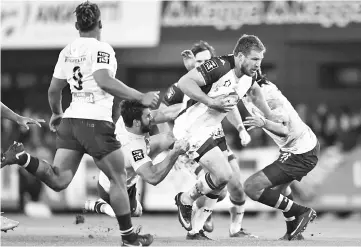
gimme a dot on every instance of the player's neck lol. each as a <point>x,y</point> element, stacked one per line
<point>90,34</point>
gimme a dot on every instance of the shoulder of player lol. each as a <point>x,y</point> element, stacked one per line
<point>226,62</point>
<point>103,47</point>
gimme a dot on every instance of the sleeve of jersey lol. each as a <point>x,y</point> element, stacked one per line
<point>103,57</point>
<point>173,96</point>
<point>138,158</point>
<point>212,70</point>
<point>58,71</point>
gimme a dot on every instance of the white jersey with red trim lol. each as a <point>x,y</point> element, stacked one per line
<point>219,79</point>
<point>135,149</point>
<point>301,138</point>
<point>76,63</point>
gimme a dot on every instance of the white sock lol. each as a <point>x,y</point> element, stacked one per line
<point>106,208</point>
<point>237,213</point>
<point>200,188</point>
<point>201,214</point>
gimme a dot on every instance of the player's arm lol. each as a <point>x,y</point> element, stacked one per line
<point>103,60</point>
<point>166,114</point>
<point>55,94</point>
<point>279,127</point>
<point>259,100</point>
<point>234,117</point>
<point>155,173</point>
<point>115,87</point>
<point>206,74</point>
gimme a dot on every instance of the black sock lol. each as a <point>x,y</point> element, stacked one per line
<point>275,199</point>
<point>126,227</point>
<point>29,162</point>
<point>288,217</point>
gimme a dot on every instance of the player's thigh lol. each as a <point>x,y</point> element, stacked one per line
<point>67,161</point>
<point>97,137</point>
<point>113,166</point>
<point>69,151</point>
<point>257,182</point>
<point>215,162</point>
<point>160,142</point>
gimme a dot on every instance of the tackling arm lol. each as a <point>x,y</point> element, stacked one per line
<point>154,174</point>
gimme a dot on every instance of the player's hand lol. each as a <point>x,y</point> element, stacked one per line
<point>150,99</point>
<point>222,103</point>
<point>55,121</point>
<point>256,121</point>
<point>245,137</point>
<point>181,146</point>
<point>189,60</point>
<point>25,121</point>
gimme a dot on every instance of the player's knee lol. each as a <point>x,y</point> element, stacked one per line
<point>224,176</point>
<point>58,186</point>
<point>250,189</point>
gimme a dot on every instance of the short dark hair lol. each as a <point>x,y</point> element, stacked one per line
<point>203,46</point>
<point>247,43</point>
<point>87,16</point>
<point>131,110</point>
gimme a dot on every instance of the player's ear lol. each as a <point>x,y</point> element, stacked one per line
<point>76,25</point>
<point>100,25</point>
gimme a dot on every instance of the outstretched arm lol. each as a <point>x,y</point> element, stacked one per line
<point>154,174</point>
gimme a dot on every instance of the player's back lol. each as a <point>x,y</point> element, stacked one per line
<point>77,62</point>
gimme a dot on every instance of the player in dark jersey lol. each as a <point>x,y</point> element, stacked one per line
<point>199,53</point>
<point>212,90</point>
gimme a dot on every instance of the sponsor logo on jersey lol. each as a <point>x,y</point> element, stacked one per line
<point>83,97</point>
<point>103,57</point>
<point>138,154</point>
<point>210,65</point>
<point>75,59</point>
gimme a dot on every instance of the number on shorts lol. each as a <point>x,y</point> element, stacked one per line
<point>77,76</point>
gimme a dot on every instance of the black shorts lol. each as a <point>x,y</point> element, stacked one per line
<point>289,166</point>
<point>222,144</point>
<point>94,137</point>
<point>132,193</point>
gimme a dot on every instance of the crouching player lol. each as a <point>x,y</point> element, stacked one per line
<point>133,132</point>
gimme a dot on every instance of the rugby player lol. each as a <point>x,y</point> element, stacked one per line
<point>136,145</point>
<point>199,53</point>
<point>89,66</point>
<point>212,91</point>
<point>299,150</point>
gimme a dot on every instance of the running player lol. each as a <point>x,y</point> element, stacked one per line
<point>6,112</point>
<point>213,89</point>
<point>89,67</point>
<point>199,53</point>
<point>136,144</point>
<point>299,151</point>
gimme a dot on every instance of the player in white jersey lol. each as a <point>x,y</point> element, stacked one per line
<point>6,223</point>
<point>133,132</point>
<point>89,66</point>
<point>213,89</point>
<point>199,53</point>
<point>299,151</point>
